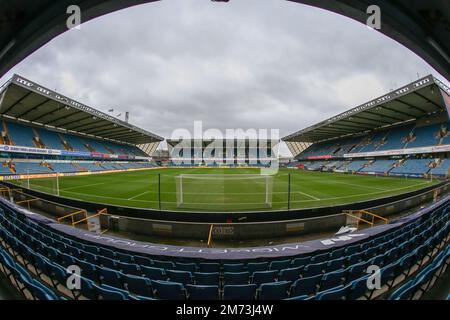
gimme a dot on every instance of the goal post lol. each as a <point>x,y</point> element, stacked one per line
<point>224,192</point>
<point>43,181</point>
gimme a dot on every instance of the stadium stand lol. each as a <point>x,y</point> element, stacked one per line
<point>381,136</point>
<point>35,257</point>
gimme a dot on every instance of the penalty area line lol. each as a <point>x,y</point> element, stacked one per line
<point>137,196</point>
<point>308,195</point>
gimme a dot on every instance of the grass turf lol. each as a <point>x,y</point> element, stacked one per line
<point>308,189</point>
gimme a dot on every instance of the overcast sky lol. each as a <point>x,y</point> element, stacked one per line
<point>243,64</point>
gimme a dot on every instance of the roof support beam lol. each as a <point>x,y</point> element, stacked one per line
<point>88,126</point>
<point>72,120</point>
<point>17,102</point>
<point>370,119</point>
<point>33,109</point>
<point>411,106</point>
<point>384,116</point>
<point>426,99</point>
<point>54,120</point>
<point>112,131</point>
<point>399,112</point>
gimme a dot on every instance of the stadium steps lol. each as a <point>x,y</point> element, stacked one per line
<point>5,135</point>
<point>65,143</point>
<point>37,140</point>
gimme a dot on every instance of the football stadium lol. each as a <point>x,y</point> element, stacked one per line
<point>360,212</point>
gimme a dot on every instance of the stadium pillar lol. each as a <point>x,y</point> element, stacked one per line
<point>289,192</point>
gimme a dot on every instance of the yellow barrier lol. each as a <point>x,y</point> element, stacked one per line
<point>352,213</point>
<point>210,235</point>
<point>27,201</point>
<point>3,190</point>
<point>71,215</point>
<point>102,212</point>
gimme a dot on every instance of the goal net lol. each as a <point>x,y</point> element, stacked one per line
<point>43,181</point>
<point>223,192</point>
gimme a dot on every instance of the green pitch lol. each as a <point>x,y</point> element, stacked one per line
<point>308,189</point>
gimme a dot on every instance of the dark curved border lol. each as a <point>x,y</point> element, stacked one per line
<point>417,24</point>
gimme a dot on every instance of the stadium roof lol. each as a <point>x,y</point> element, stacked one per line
<point>24,100</point>
<point>418,99</point>
<point>420,25</point>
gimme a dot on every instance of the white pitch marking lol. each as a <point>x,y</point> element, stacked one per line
<point>141,194</point>
<point>308,195</point>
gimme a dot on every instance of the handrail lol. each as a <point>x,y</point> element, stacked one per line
<point>102,212</point>
<point>71,215</point>
<point>210,235</point>
<point>351,213</point>
<point>375,215</point>
<point>359,219</point>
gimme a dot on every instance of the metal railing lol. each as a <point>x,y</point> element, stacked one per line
<point>354,214</point>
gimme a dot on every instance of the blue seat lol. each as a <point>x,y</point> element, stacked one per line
<point>239,292</point>
<point>89,270</point>
<point>304,297</point>
<point>107,253</point>
<point>260,277</point>
<point>306,286</point>
<point>257,266</point>
<point>57,274</point>
<point>107,262</point>
<point>86,289</point>
<point>207,278</point>
<point>129,268</point>
<point>314,269</point>
<point>338,293</point>
<point>153,273</point>
<point>66,260</point>
<point>352,249</point>
<point>191,267</point>
<point>168,290</point>
<point>355,271</point>
<point>280,264</point>
<point>337,253</point>
<point>207,267</point>
<point>91,249</point>
<point>274,291</point>
<point>290,274</point>
<point>405,292</point>
<point>41,292</point>
<point>320,257</point>
<point>110,277</point>
<point>358,289</point>
<point>300,262</point>
<point>331,280</point>
<point>184,277</point>
<point>109,293</point>
<point>234,267</point>
<point>139,286</point>
<point>335,264</point>
<point>124,257</point>
<point>236,278</point>
<point>90,257</point>
<point>164,264</point>
<point>199,292</point>
<point>143,261</point>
